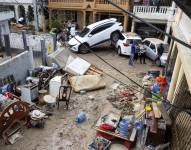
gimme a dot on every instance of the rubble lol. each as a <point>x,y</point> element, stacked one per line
<point>122,98</point>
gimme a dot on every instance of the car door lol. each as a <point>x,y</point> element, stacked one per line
<point>99,34</point>
<point>153,54</point>
<point>146,44</point>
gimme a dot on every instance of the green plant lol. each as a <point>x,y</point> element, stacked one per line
<point>54,24</point>
<point>30,14</point>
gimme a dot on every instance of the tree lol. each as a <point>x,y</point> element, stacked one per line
<point>55,24</point>
<point>30,14</point>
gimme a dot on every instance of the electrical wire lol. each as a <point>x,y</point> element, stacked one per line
<point>149,24</point>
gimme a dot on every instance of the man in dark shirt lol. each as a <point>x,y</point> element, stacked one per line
<point>133,51</point>
<point>160,50</point>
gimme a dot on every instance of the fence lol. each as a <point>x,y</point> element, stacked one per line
<point>33,41</point>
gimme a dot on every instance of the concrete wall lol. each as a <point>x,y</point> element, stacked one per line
<point>33,41</point>
<point>4,27</point>
<point>18,66</point>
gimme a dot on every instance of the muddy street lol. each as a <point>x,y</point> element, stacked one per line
<point>61,132</point>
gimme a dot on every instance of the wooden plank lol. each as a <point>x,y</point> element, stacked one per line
<point>154,124</point>
<point>133,135</point>
<point>156,110</point>
<point>112,133</point>
<point>164,113</point>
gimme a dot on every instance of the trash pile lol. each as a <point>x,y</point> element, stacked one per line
<point>43,90</point>
<point>122,98</point>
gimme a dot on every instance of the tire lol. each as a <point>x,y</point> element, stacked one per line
<point>119,50</point>
<point>158,62</point>
<point>115,37</point>
<point>84,48</point>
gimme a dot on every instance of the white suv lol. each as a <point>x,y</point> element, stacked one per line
<point>123,45</point>
<point>95,34</point>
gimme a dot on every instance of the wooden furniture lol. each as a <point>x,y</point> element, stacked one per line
<point>64,91</point>
<point>14,111</point>
<point>130,138</point>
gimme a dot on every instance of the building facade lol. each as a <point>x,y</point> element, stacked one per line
<point>160,13</point>
<point>85,12</point>
<point>179,68</point>
<point>5,16</point>
<point>24,8</point>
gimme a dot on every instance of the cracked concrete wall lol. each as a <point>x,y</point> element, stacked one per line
<point>18,66</point>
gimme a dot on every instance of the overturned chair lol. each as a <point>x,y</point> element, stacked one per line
<point>64,91</point>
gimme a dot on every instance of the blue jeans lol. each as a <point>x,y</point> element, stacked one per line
<point>131,59</point>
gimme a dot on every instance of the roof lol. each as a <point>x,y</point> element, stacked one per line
<point>101,22</point>
<point>185,5</point>
<point>155,40</point>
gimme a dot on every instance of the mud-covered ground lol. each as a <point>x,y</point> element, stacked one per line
<point>61,131</point>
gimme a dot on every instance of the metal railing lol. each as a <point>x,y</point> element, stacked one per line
<point>66,1</point>
<point>118,2</point>
<point>151,9</point>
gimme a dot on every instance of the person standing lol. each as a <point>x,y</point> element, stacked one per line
<point>160,50</point>
<point>133,51</point>
<point>142,54</point>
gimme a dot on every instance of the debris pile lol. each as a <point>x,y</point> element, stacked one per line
<point>123,98</point>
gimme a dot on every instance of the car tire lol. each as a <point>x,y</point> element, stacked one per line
<point>84,48</point>
<point>119,50</point>
<point>115,37</point>
<point>158,62</point>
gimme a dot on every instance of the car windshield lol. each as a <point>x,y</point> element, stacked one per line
<point>84,32</point>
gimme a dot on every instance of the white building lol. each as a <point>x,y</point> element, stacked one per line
<point>21,8</point>
<point>160,16</point>
<point>4,17</point>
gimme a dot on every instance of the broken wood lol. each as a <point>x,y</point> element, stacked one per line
<point>164,113</point>
<point>156,110</point>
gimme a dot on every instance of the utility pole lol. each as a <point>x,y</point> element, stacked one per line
<point>43,16</point>
<point>36,16</point>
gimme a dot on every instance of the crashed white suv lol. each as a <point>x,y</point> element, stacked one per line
<point>96,33</point>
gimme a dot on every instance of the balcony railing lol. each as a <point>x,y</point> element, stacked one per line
<point>151,12</point>
<point>82,4</point>
<point>104,5</point>
<point>66,3</point>
<point>6,15</point>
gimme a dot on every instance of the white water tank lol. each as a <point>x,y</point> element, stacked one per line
<point>54,86</point>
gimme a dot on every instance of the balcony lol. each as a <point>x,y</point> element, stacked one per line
<point>87,4</point>
<point>104,5</point>
<point>151,13</point>
<point>6,15</point>
<point>66,4</point>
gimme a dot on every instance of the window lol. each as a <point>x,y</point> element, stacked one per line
<point>147,43</point>
<point>152,46</point>
<point>101,28</point>
<point>84,32</point>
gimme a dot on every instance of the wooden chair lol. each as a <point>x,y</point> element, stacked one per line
<point>64,91</point>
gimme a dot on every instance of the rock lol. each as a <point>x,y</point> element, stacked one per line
<point>91,97</point>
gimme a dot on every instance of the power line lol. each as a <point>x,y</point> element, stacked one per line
<point>149,24</point>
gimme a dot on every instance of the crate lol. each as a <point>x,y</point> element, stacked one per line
<point>92,145</point>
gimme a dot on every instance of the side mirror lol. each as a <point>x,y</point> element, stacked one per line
<point>90,35</point>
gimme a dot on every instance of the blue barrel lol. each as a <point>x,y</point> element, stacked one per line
<point>123,127</point>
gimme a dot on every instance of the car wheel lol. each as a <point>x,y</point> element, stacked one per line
<point>83,48</point>
<point>115,37</point>
<point>158,62</point>
<point>119,50</point>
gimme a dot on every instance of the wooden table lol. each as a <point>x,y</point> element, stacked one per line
<point>130,137</point>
